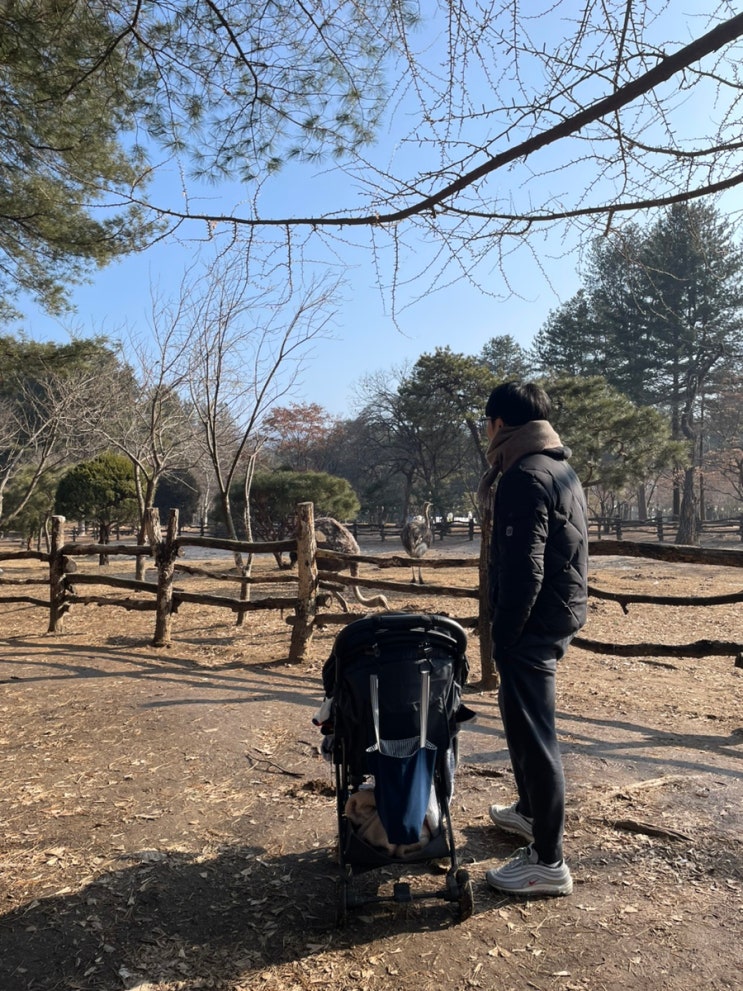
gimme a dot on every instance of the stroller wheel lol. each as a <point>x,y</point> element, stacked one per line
<point>466,894</point>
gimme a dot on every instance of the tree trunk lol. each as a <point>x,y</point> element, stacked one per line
<point>165,555</point>
<point>688,530</point>
<point>56,576</point>
<point>140,564</point>
<point>248,522</point>
<point>307,583</point>
<point>224,498</point>
<point>702,514</point>
<point>104,537</point>
<point>642,505</point>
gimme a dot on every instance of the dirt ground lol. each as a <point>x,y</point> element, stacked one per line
<point>169,824</point>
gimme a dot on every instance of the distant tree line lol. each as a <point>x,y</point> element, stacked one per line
<point>644,366</point>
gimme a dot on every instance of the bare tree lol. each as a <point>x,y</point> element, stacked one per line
<point>248,336</point>
<point>44,414</point>
<point>725,456</point>
<point>143,413</point>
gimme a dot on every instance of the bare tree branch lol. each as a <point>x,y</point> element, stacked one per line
<point>667,68</point>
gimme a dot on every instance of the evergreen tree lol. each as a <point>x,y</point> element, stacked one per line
<point>178,489</point>
<point>623,347</point>
<point>660,316</point>
<point>567,344</point>
<point>505,359</point>
<point>68,100</point>
<point>453,388</point>
<point>694,305</point>
<point>615,444</point>
<point>232,90</point>
<point>274,496</point>
<point>725,435</point>
<point>101,489</point>
<point>37,505</point>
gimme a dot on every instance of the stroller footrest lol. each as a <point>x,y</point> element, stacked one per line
<point>401,892</point>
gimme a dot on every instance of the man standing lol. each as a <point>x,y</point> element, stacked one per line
<point>537,588</point>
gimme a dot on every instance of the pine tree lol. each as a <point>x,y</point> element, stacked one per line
<point>693,271</point>
<point>616,282</point>
<point>659,317</point>
<point>66,152</point>
<point>570,342</point>
<point>505,358</point>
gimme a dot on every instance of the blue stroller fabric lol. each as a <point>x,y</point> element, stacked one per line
<point>403,771</point>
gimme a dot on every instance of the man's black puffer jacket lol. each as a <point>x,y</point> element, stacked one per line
<point>539,551</point>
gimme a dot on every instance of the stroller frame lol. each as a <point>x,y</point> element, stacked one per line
<point>398,645</point>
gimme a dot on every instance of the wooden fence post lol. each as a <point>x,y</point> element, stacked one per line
<point>488,676</point>
<point>306,608</point>
<point>56,576</point>
<point>165,552</point>
<point>244,589</point>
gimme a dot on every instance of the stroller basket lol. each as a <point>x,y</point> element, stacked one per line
<point>395,681</point>
<point>401,748</point>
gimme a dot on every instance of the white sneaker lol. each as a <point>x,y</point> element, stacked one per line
<point>511,821</point>
<point>525,875</point>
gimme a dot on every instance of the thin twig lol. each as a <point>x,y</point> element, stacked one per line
<point>273,764</point>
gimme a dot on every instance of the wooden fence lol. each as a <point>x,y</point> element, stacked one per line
<point>710,556</point>
<point>660,528</point>
<point>663,529</point>
<point>315,587</point>
<point>314,584</point>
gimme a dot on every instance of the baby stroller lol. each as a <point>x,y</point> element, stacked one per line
<point>395,682</point>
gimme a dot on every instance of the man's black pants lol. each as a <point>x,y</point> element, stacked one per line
<point>527,705</point>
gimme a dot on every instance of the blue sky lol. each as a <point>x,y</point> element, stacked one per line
<point>366,339</point>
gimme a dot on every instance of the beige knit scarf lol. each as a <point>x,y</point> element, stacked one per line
<point>511,444</point>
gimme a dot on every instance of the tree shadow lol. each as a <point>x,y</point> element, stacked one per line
<point>620,741</point>
<point>192,919</point>
<point>707,752</point>
<point>37,665</point>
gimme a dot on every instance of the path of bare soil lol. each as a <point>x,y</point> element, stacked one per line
<point>169,824</point>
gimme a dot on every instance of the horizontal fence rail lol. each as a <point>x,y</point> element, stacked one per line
<point>318,583</point>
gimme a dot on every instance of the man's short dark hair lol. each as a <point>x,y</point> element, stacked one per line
<point>517,403</point>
